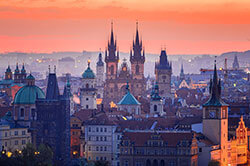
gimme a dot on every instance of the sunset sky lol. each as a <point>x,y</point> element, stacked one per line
<point>183,26</point>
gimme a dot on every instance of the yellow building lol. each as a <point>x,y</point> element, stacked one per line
<point>13,136</point>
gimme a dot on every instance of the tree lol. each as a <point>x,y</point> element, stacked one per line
<point>214,163</point>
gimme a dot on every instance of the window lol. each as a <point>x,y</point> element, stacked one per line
<point>23,142</point>
<point>16,142</point>
<point>87,99</point>
<point>22,112</point>
<point>105,138</point>
<point>89,138</point>
<point>97,138</point>
<point>6,134</point>
<point>105,129</point>
<point>87,106</point>
<point>100,138</point>
<point>101,129</point>
<point>87,86</point>
<point>137,69</point>
<point>97,148</point>
<point>23,132</point>
<point>89,148</point>
<point>112,70</point>
<point>101,148</point>
<point>155,108</point>
<point>33,113</point>
<point>97,158</point>
<point>200,150</point>
<point>118,137</point>
<point>16,132</point>
<point>89,129</point>
<point>6,144</point>
<point>126,163</point>
<point>105,148</point>
<point>97,129</point>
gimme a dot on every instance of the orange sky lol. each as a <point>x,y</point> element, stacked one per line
<point>185,27</point>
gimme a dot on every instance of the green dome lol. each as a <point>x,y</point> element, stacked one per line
<point>30,77</point>
<point>88,73</point>
<point>28,95</point>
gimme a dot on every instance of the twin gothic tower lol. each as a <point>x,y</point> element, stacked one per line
<point>117,78</point>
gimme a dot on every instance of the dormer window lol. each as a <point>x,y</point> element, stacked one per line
<point>21,112</point>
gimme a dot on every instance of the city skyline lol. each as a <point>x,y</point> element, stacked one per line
<point>209,27</point>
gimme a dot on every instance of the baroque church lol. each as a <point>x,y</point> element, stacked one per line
<point>117,78</point>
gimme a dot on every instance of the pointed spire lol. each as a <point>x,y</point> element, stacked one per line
<point>112,34</point>
<point>127,87</point>
<point>215,90</point>
<point>137,42</point>
<point>17,69</point>
<point>23,69</point>
<point>236,63</point>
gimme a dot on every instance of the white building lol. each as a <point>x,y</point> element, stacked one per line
<point>88,91</point>
<point>102,140</point>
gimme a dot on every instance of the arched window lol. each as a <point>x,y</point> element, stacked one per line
<point>112,70</point>
<point>148,162</point>
<point>155,108</point>
<point>22,112</point>
<point>87,106</point>
<point>33,113</point>
<point>137,69</point>
<point>87,85</point>
<point>162,163</point>
<point>155,162</point>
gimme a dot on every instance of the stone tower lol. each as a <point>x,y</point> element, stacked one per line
<point>53,121</point>
<point>112,57</point>
<point>156,106</point>
<point>137,58</point>
<point>163,72</point>
<point>236,65</point>
<point>215,117</point>
<point>88,90</point>
<point>100,76</point>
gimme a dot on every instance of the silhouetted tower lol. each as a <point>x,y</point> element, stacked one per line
<point>8,73</point>
<point>112,57</point>
<point>215,117</point>
<point>182,75</point>
<point>137,58</point>
<point>163,72</point>
<point>236,65</point>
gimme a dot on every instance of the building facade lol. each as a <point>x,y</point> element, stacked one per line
<point>163,148</point>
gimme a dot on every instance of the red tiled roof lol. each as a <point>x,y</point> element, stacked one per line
<point>171,138</point>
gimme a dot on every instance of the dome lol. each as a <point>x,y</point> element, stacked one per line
<point>28,95</point>
<point>88,73</point>
<point>30,77</point>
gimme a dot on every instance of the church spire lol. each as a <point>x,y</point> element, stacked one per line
<point>182,75</point>
<point>215,90</point>
<point>112,35</point>
<point>236,63</point>
<point>137,42</point>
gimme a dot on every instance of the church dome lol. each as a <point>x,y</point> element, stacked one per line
<point>28,95</point>
<point>88,73</point>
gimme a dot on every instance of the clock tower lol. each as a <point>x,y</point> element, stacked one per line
<point>215,117</point>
